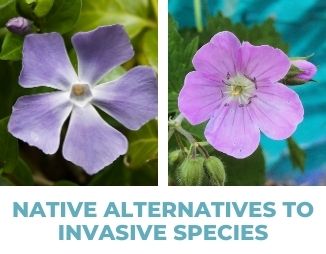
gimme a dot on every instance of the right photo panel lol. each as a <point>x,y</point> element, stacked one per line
<point>247,100</point>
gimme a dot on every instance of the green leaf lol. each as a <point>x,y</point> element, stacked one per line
<point>114,74</point>
<point>147,175</point>
<point>43,7</point>
<point>196,130</point>
<point>22,174</point>
<point>5,182</point>
<point>7,11</point>
<point>129,13</point>
<point>112,175</point>
<point>297,154</point>
<point>149,48</point>
<point>181,53</point>
<point>12,47</point>
<point>8,148</point>
<point>142,145</point>
<point>63,16</point>
<point>249,171</point>
<point>155,7</point>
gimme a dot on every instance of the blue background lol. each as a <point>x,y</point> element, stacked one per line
<point>302,24</point>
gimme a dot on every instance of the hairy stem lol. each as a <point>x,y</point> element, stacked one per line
<point>198,15</point>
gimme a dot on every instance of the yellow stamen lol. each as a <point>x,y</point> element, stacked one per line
<point>78,89</point>
<point>236,90</point>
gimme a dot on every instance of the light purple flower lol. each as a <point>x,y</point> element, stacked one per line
<point>308,69</point>
<point>235,87</point>
<point>19,25</point>
<point>90,142</point>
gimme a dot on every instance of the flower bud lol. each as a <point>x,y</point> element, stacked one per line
<point>191,171</point>
<point>175,157</point>
<point>215,171</point>
<point>300,72</point>
<point>19,25</point>
<point>308,70</point>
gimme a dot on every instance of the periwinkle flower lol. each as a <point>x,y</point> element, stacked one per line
<point>235,86</point>
<point>19,25</point>
<point>308,69</point>
<point>89,142</point>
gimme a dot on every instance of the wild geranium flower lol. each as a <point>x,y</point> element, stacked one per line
<point>90,142</point>
<point>235,86</point>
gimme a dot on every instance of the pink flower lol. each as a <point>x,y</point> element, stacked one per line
<point>308,69</point>
<point>235,86</point>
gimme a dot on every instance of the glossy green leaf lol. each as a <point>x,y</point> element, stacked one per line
<point>12,47</point>
<point>149,48</point>
<point>8,148</point>
<point>112,175</point>
<point>43,7</point>
<point>7,11</point>
<point>63,16</point>
<point>142,145</point>
<point>155,7</point>
<point>22,174</point>
<point>297,154</point>
<point>129,13</point>
<point>114,74</point>
<point>147,175</point>
<point>5,182</point>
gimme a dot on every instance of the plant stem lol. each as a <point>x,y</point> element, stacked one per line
<point>198,15</point>
<point>179,142</point>
<point>186,134</point>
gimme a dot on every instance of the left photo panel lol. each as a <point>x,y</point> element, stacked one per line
<point>78,93</point>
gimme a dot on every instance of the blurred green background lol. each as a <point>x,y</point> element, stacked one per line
<point>21,164</point>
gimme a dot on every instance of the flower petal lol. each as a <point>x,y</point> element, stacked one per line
<point>219,56</point>
<point>46,63</point>
<point>277,110</point>
<point>100,50</point>
<point>90,142</point>
<point>199,97</point>
<point>38,119</point>
<point>132,99</point>
<point>263,62</point>
<point>232,131</point>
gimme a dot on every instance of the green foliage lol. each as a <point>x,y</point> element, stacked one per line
<point>245,172</point>
<point>8,148</point>
<point>142,145</point>
<point>62,17</point>
<point>12,47</point>
<point>130,13</point>
<point>7,11</point>
<point>5,182</point>
<point>259,34</point>
<point>297,154</point>
<point>181,52</point>
<point>149,48</point>
<point>43,7</point>
<point>21,175</point>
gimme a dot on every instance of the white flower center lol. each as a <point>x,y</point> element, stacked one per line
<point>240,88</point>
<point>81,94</point>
